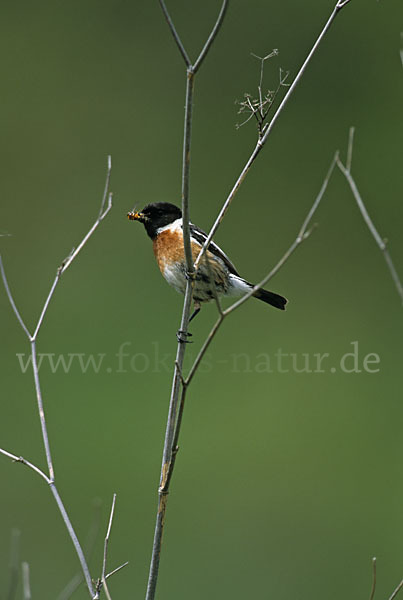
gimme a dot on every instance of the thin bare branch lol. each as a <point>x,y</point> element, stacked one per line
<point>204,348</point>
<point>66,263</point>
<point>101,583</point>
<point>50,480</point>
<point>106,590</point>
<point>274,52</point>
<point>106,200</point>
<point>69,259</point>
<point>89,546</point>
<point>372,594</point>
<point>176,37</point>
<point>261,142</point>
<point>196,66</point>
<point>62,511</point>
<point>318,197</point>
<point>227,203</point>
<point>46,305</point>
<point>107,194</point>
<point>187,137</point>
<point>117,569</point>
<point>26,585</point>
<point>211,37</point>
<point>175,447</point>
<point>41,411</point>
<point>368,221</point>
<point>25,462</point>
<point>397,590</point>
<point>11,299</point>
<point>350,148</point>
<point>272,273</point>
<point>108,533</point>
<point>241,301</point>
<point>73,537</point>
<point>177,365</point>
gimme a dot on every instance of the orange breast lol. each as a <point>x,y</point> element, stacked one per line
<point>168,248</point>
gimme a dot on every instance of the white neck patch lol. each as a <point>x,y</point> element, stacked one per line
<point>174,226</point>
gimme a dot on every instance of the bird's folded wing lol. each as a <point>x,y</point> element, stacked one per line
<point>200,236</point>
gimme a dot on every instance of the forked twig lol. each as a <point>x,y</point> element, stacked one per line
<point>194,67</point>
<point>108,533</point>
<point>101,583</point>
<point>11,300</point>
<point>260,107</point>
<point>211,37</point>
<point>345,169</point>
<point>106,205</point>
<point>176,37</point>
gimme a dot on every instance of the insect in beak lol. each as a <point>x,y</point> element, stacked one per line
<point>136,216</point>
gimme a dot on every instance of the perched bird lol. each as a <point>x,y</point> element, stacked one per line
<point>163,223</point>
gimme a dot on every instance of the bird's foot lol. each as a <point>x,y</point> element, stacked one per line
<point>190,275</point>
<point>182,335</point>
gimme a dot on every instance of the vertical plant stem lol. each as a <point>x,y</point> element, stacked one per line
<point>381,243</point>
<point>180,352</point>
<point>167,459</point>
<point>186,170</point>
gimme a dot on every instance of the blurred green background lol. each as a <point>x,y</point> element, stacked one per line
<point>287,483</point>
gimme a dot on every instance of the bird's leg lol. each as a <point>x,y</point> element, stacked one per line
<point>182,335</point>
<point>196,311</point>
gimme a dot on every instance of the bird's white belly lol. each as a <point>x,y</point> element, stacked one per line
<point>175,276</point>
<point>229,285</point>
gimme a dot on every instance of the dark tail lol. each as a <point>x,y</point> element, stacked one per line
<point>271,298</point>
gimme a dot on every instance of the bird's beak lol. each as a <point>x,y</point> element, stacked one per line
<point>136,216</point>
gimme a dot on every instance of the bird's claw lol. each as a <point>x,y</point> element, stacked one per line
<point>182,335</point>
<point>190,276</point>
